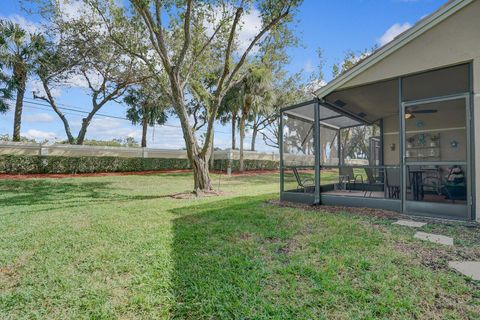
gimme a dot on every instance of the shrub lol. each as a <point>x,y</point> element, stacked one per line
<point>21,164</point>
<point>58,164</point>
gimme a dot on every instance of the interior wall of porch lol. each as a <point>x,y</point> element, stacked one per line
<point>448,122</point>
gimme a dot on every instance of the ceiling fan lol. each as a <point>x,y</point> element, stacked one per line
<point>410,112</point>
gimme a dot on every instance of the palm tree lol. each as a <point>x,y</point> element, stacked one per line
<point>246,95</point>
<point>7,87</point>
<point>18,49</point>
<point>146,107</point>
<point>228,113</point>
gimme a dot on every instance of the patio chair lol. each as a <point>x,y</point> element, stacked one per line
<point>373,181</point>
<point>347,177</point>
<point>307,184</point>
<point>455,187</point>
<point>393,182</point>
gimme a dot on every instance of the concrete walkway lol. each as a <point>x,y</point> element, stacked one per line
<point>410,223</point>
<point>469,269</point>
<point>436,238</point>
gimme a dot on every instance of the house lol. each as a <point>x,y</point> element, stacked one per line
<point>397,131</point>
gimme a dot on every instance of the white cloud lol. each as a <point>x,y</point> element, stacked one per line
<point>74,10</point>
<point>392,32</point>
<point>30,26</point>
<point>39,117</point>
<point>251,24</point>
<point>102,128</point>
<point>71,10</point>
<point>315,85</point>
<point>77,80</point>
<point>37,87</point>
<point>308,66</point>
<point>40,135</point>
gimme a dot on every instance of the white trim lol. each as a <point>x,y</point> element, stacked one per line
<point>422,131</point>
<point>394,45</point>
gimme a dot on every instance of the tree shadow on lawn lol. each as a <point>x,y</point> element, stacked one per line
<point>57,192</point>
<point>242,258</point>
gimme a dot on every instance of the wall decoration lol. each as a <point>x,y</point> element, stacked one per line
<point>423,145</point>
<point>420,124</point>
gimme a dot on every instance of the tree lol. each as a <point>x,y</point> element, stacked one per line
<point>7,87</point>
<point>86,54</point>
<point>286,91</point>
<point>350,59</point>
<point>195,30</point>
<point>228,113</point>
<point>248,94</point>
<point>18,49</point>
<point>146,107</point>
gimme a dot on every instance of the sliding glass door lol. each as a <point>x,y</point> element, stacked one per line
<point>436,156</point>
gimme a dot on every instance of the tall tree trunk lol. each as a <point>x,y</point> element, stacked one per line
<point>83,130</point>
<point>198,159</point>
<point>234,129</point>
<point>144,131</point>
<point>86,121</point>
<point>242,138</point>
<point>212,160</point>
<point>243,120</point>
<point>254,138</point>
<point>255,131</point>
<point>20,75</point>
<point>54,106</point>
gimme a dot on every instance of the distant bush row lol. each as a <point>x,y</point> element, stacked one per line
<point>19,164</point>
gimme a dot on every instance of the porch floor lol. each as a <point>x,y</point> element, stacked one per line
<point>381,195</point>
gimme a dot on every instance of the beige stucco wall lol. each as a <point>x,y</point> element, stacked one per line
<point>453,41</point>
<point>448,122</point>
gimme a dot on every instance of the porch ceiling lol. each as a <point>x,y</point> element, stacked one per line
<point>381,99</point>
<point>374,101</point>
<point>329,115</point>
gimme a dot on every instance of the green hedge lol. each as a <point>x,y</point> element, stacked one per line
<point>58,164</point>
<point>248,165</point>
<point>17,164</point>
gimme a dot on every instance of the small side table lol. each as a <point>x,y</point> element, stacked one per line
<point>416,184</point>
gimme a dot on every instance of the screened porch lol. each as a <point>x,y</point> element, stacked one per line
<point>402,144</point>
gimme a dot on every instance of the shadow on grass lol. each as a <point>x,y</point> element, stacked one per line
<point>242,258</point>
<point>219,266</point>
<point>57,192</point>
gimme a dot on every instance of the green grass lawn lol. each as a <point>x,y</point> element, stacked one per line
<point>119,247</point>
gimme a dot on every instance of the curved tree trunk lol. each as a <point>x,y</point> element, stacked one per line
<point>60,114</point>
<point>83,130</point>
<point>20,75</point>
<point>198,159</point>
<point>144,131</point>
<point>86,121</point>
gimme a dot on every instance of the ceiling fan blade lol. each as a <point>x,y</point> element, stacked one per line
<point>424,111</point>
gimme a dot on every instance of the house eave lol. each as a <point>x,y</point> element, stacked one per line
<point>403,39</point>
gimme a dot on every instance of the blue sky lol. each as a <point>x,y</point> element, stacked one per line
<point>334,26</point>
